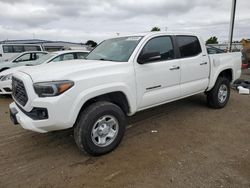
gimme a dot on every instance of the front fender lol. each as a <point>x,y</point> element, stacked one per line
<point>93,92</point>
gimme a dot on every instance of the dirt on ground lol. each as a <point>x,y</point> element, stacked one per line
<point>180,144</point>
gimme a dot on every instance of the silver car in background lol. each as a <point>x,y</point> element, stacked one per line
<point>21,59</point>
<point>6,76</point>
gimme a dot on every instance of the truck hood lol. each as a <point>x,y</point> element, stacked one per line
<point>66,69</point>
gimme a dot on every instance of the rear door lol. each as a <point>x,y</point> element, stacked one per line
<point>158,80</point>
<point>194,65</point>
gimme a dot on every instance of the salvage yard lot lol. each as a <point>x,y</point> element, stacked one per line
<point>181,144</point>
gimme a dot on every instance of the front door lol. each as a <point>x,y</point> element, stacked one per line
<point>158,81</point>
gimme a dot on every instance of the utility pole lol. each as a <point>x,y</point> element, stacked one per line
<point>231,29</point>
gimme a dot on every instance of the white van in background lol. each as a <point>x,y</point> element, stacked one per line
<point>9,50</point>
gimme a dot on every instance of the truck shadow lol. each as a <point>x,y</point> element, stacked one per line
<point>169,109</point>
<point>60,145</point>
<point>196,101</point>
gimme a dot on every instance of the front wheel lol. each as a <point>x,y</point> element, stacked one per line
<point>219,95</point>
<point>100,128</point>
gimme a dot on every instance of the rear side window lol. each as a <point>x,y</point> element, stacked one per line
<point>32,48</point>
<point>7,49</point>
<point>66,57</point>
<point>38,55</point>
<point>18,49</point>
<point>81,55</point>
<point>163,45</point>
<point>13,49</point>
<point>188,46</point>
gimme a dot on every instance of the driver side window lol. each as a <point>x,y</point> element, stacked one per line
<point>159,45</point>
<point>25,57</point>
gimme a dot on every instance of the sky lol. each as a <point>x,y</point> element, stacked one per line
<point>82,20</point>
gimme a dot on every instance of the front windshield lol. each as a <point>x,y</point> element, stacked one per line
<point>116,49</point>
<point>44,58</point>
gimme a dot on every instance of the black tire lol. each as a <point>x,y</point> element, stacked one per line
<point>213,95</point>
<point>87,120</point>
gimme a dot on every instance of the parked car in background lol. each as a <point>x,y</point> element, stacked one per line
<point>6,76</point>
<point>7,51</point>
<point>61,56</point>
<point>21,59</point>
<point>120,77</point>
<point>6,79</point>
<point>213,50</point>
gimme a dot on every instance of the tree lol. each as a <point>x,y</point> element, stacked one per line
<point>155,29</point>
<point>212,40</point>
<point>91,43</point>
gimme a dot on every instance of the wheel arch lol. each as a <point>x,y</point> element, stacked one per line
<point>117,97</point>
<point>121,97</point>
<point>226,72</point>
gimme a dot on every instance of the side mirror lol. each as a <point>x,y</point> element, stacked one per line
<point>148,57</point>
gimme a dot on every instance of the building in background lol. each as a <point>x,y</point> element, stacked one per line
<point>50,46</point>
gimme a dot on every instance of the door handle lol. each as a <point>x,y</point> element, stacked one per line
<point>174,67</point>
<point>204,63</point>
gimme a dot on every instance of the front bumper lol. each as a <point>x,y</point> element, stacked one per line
<point>18,117</point>
<point>55,110</point>
<point>57,119</point>
<point>5,87</point>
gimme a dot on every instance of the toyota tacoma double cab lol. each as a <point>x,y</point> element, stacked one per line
<point>120,77</point>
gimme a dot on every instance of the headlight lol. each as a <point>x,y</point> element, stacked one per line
<point>50,89</point>
<point>7,77</point>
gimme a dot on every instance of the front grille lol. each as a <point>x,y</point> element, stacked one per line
<point>19,92</point>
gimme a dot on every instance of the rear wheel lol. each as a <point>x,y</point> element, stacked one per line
<point>100,128</point>
<point>219,95</point>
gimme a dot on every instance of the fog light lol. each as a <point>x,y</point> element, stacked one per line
<point>41,113</point>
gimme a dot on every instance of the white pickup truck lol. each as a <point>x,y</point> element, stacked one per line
<point>119,77</point>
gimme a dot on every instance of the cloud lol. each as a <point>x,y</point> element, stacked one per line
<point>78,20</point>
